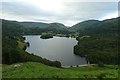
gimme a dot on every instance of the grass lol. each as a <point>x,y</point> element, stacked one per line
<point>38,70</point>
<point>21,44</point>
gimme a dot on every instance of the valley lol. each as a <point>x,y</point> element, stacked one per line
<point>97,41</point>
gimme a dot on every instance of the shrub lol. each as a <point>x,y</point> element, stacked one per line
<point>100,64</point>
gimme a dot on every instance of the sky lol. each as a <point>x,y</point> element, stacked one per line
<point>68,12</point>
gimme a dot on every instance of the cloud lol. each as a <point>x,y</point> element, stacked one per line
<point>66,12</point>
<point>110,15</point>
<point>66,0</point>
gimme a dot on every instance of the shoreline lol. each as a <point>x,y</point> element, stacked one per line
<point>78,65</point>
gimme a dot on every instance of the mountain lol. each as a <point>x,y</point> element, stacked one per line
<point>12,26</point>
<point>37,27</point>
<point>34,24</point>
<point>50,26</point>
<point>85,27</point>
<point>85,24</point>
<point>53,27</point>
<point>107,28</point>
<point>57,27</point>
<point>96,27</point>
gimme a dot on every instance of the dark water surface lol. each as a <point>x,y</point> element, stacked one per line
<point>56,48</point>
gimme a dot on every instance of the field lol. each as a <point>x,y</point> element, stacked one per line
<point>38,70</point>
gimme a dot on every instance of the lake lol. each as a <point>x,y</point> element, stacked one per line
<point>56,48</point>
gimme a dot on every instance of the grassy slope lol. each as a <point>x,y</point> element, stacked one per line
<point>38,70</point>
<point>21,44</point>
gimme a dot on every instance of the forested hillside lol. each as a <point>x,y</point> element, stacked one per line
<point>12,39</point>
<point>99,42</point>
<point>33,24</point>
<point>85,25</point>
<point>57,28</point>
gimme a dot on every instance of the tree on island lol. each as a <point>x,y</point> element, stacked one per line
<point>46,35</point>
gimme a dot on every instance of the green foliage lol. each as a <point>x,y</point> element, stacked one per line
<point>46,35</point>
<point>85,25</point>
<point>100,64</point>
<point>57,28</point>
<point>101,42</point>
<point>38,70</point>
<point>38,28</point>
<point>28,44</point>
<point>79,50</point>
<point>101,76</point>
<point>34,24</point>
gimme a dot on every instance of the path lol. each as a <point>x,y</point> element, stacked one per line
<point>78,65</point>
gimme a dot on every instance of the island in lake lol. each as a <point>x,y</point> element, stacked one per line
<point>46,36</point>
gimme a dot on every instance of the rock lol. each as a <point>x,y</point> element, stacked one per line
<point>16,65</point>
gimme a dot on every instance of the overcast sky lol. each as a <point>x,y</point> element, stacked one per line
<point>68,12</point>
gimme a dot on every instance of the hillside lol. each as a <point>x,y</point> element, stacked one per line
<point>57,28</point>
<point>39,27</point>
<point>85,25</point>
<point>34,24</point>
<point>38,70</point>
<point>97,27</point>
<point>51,27</point>
<point>99,43</point>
